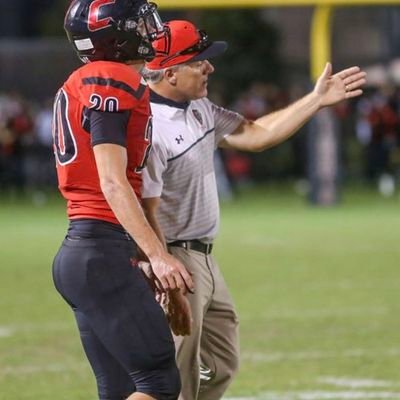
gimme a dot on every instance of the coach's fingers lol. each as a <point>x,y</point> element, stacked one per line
<point>354,93</point>
<point>347,72</point>
<point>355,85</point>
<point>354,78</point>
<point>327,72</point>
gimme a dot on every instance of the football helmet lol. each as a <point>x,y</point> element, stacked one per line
<point>113,30</point>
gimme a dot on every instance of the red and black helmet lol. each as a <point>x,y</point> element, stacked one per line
<point>113,30</point>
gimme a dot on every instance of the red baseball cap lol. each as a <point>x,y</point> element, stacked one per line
<point>183,42</point>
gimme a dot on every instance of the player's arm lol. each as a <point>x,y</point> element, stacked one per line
<point>111,161</point>
<point>150,206</point>
<point>275,128</point>
<point>177,307</point>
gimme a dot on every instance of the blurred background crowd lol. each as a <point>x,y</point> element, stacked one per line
<point>265,68</point>
<point>369,142</point>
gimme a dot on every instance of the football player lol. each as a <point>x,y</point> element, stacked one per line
<point>102,138</point>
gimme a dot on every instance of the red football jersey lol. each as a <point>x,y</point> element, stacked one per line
<point>101,86</point>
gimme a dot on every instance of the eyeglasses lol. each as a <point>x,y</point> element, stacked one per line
<point>202,44</point>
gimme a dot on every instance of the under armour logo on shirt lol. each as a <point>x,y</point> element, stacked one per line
<point>179,139</point>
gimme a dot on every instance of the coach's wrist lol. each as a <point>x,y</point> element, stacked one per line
<point>316,100</point>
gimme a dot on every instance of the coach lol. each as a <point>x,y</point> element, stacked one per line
<point>180,192</point>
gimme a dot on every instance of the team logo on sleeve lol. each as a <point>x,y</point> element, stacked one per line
<point>198,116</point>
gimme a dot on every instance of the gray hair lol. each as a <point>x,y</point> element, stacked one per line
<point>152,76</point>
<point>156,76</point>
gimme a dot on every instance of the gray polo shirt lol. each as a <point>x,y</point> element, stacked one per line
<point>180,168</point>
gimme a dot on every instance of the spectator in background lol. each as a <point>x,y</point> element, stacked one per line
<point>378,131</point>
<point>15,125</point>
<point>252,104</point>
<point>43,147</point>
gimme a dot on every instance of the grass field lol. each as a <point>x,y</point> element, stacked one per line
<point>317,291</point>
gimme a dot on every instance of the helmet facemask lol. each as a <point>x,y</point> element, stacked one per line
<point>147,26</point>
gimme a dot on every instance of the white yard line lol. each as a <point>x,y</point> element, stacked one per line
<point>343,395</point>
<point>275,395</point>
<point>322,395</point>
<point>34,369</point>
<point>6,331</point>
<point>353,385</point>
<point>318,313</point>
<point>356,383</point>
<point>316,355</point>
<point>10,330</point>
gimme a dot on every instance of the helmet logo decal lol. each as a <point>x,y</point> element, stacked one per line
<point>84,44</point>
<point>94,22</point>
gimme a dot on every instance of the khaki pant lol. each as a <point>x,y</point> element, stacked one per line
<point>214,340</point>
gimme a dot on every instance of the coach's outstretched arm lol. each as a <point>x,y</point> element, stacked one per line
<point>275,128</point>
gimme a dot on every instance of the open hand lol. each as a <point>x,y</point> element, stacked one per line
<point>346,84</point>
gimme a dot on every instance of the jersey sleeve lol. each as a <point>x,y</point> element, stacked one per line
<point>108,127</point>
<point>152,176</point>
<point>109,87</point>
<point>226,122</point>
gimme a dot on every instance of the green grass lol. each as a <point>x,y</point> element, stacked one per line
<point>317,291</point>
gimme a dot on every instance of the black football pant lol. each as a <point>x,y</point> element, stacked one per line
<point>123,330</point>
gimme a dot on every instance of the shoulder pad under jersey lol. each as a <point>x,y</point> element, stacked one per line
<point>107,86</point>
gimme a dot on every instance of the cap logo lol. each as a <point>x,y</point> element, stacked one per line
<point>94,22</point>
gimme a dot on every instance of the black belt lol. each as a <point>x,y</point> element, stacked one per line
<point>196,245</point>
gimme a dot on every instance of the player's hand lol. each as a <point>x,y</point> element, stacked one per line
<point>171,273</point>
<point>175,305</point>
<point>151,278</point>
<point>345,84</point>
<point>178,312</point>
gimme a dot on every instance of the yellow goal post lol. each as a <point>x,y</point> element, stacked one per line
<point>320,49</point>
